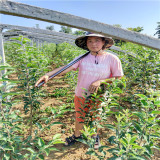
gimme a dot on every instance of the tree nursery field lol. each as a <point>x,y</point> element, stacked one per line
<point>34,122</point>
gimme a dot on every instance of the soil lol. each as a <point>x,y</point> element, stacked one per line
<point>78,150</point>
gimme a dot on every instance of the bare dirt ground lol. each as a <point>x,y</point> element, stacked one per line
<point>78,150</point>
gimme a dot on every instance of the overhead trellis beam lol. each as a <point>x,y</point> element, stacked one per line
<point>47,38</point>
<point>37,35</point>
<point>53,38</point>
<point>42,39</point>
<point>36,30</point>
<point>56,41</point>
<point>27,11</point>
<point>47,34</point>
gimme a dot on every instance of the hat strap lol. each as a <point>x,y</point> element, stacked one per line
<point>96,61</point>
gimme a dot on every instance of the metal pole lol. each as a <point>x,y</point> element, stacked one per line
<point>64,68</point>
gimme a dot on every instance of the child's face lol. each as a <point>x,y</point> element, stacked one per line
<point>95,44</point>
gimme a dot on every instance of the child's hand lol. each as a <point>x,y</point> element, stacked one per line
<point>44,78</point>
<point>94,86</point>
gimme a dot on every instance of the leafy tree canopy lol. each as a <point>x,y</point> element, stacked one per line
<point>79,32</point>
<point>117,25</point>
<point>65,29</point>
<point>158,30</point>
<point>51,28</point>
<point>137,29</point>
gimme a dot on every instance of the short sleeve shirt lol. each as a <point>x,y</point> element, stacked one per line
<point>108,66</point>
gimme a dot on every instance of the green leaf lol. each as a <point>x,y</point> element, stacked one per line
<point>7,156</point>
<point>117,90</point>
<point>100,149</point>
<point>144,102</point>
<point>113,150</point>
<point>111,139</point>
<point>136,146</point>
<point>83,141</point>
<point>155,136</point>
<point>56,136</point>
<point>93,153</point>
<point>114,104</point>
<point>124,142</point>
<point>28,139</point>
<point>142,96</point>
<point>9,80</point>
<point>155,112</point>
<point>41,142</point>
<point>157,103</point>
<point>3,67</point>
<point>41,156</point>
<point>8,148</point>
<point>26,155</point>
<point>58,141</point>
<point>151,119</point>
<point>30,149</point>
<point>13,116</point>
<point>147,155</point>
<point>132,140</point>
<point>148,149</point>
<point>139,114</point>
<point>3,138</point>
<point>53,149</point>
<point>114,158</point>
<point>47,151</point>
<point>39,125</point>
<point>137,158</point>
<point>110,126</point>
<point>137,127</point>
<point>55,123</point>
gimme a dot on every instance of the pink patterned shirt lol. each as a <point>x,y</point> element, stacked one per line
<point>108,66</point>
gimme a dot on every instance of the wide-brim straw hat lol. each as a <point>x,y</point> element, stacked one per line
<point>82,41</point>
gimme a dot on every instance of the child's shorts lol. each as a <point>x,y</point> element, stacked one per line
<point>80,107</point>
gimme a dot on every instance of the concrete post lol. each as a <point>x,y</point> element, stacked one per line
<point>2,61</point>
<point>2,55</point>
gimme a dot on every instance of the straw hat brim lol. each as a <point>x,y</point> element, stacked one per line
<point>81,41</point>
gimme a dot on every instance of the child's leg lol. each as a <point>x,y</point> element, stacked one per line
<point>78,128</point>
<point>79,103</point>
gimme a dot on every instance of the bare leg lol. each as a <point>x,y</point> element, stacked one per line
<point>78,128</point>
